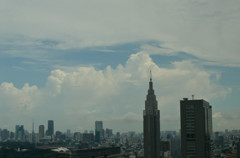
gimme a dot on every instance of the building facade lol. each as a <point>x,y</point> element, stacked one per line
<point>19,133</point>
<point>196,129</point>
<point>151,125</point>
<point>98,131</point>
<point>50,130</point>
<point>41,131</point>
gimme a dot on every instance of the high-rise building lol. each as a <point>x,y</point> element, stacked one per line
<point>88,137</point>
<point>98,131</point>
<point>108,132</point>
<point>68,133</point>
<point>41,131</point>
<point>196,129</point>
<point>33,134</point>
<point>19,133</point>
<point>50,128</point>
<point>151,125</point>
<point>175,145</point>
<point>4,135</point>
<point>238,149</point>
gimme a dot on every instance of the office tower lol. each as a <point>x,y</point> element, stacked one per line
<point>98,131</point>
<point>12,135</point>
<point>33,134</point>
<point>68,133</point>
<point>41,131</point>
<point>19,133</point>
<point>88,137</point>
<point>151,125</point>
<point>196,129</point>
<point>175,146</point>
<point>4,135</point>
<point>58,135</point>
<point>50,128</point>
<point>108,132</point>
<point>77,136</point>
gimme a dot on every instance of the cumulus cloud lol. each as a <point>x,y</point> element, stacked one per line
<point>226,119</point>
<point>18,99</point>
<point>78,96</point>
<point>217,115</point>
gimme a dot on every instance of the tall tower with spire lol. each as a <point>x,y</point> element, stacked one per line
<point>151,124</point>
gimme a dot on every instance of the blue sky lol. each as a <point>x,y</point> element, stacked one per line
<point>78,61</point>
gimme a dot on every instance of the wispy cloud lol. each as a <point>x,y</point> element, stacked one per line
<point>206,29</point>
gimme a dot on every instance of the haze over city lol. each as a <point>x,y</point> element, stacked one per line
<point>76,62</point>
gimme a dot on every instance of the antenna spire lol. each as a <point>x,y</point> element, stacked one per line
<point>150,75</point>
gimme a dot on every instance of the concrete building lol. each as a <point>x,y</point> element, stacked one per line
<point>88,137</point>
<point>19,133</point>
<point>50,130</point>
<point>151,125</point>
<point>109,132</point>
<point>4,135</point>
<point>98,131</point>
<point>196,129</point>
<point>41,131</point>
<point>175,147</point>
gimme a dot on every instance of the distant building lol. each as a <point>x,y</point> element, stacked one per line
<point>88,137</point>
<point>175,147</point>
<point>164,145</point>
<point>12,135</point>
<point>68,133</point>
<point>108,132</point>
<point>4,134</point>
<point>196,129</point>
<point>41,131</point>
<point>151,125</point>
<point>118,135</point>
<point>219,141</point>
<point>50,130</point>
<point>77,136</point>
<point>19,133</point>
<point>58,135</point>
<point>98,131</point>
<point>97,136</point>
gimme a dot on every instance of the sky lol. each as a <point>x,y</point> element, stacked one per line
<point>76,62</point>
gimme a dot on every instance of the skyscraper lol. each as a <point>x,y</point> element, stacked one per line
<point>98,131</point>
<point>196,129</point>
<point>19,133</point>
<point>50,128</point>
<point>41,131</point>
<point>151,125</point>
<point>33,134</point>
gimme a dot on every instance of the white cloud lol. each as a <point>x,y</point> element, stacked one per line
<point>21,99</point>
<point>217,115</point>
<point>76,97</point>
<point>226,119</point>
<point>206,29</point>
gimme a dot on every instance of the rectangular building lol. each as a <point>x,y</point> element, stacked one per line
<point>196,129</point>
<point>50,131</point>
<point>98,131</point>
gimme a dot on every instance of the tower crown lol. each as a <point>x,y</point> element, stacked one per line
<point>150,82</point>
<point>151,102</point>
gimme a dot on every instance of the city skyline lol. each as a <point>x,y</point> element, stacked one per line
<point>82,61</point>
